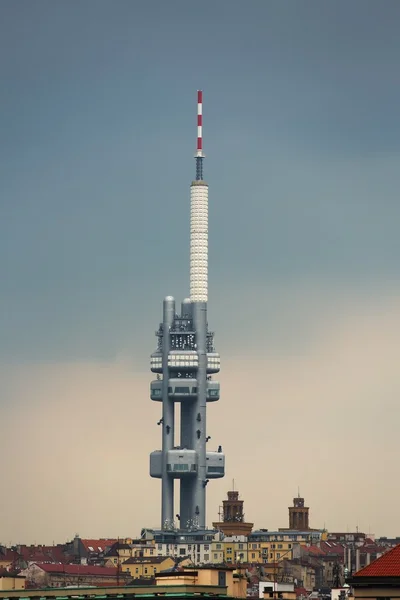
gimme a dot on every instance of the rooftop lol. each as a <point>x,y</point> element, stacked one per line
<point>100,545</point>
<point>148,592</point>
<point>387,565</point>
<point>146,560</point>
<point>79,569</point>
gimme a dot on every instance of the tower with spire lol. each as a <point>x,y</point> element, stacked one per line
<point>184,362</point>
<point>233,520</point>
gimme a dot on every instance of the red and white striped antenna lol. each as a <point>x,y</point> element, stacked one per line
<point>199,151</point>
<point>199,123</point>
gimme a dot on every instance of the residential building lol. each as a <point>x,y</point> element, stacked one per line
<point>9,559</point>
<point>229,549</point>
<point>270,589</point>
<point>301,573</point>
<point>141,568</point>
<point>89,551</point>
<point>386,541</point>
<point>233,580</point>
<point>272,546</point>
<point>10,580</point>
<point>121,551</point>
<point>194,544</point>
<point>349,537</point>
<point>41,553</point>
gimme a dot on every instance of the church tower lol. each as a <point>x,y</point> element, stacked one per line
<point>299,515</point>
<point>233,522</point>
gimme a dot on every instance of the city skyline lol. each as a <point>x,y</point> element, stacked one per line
<point>96,154</point>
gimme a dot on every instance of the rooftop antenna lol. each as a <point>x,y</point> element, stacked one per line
<point>199,150</point>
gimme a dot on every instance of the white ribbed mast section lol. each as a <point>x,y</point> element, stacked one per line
<point>199,219</point>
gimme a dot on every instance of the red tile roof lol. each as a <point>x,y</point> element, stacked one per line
<point>36,554</point>
<point>333,548</point>
<point>79,569</point>
<point>98,545</point>
<point>387,565</point>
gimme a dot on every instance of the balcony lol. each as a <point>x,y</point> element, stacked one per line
<point>185,360</point>
<point>182,389</point>
<point>213,362</point>
<point>215,462</point>
<point>156,362</point>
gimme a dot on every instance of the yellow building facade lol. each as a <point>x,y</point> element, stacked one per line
<point>143,568</point>
<point>123,551</point>
<point>234,551</point>
<point>10,582</point>
<point>233,579</point>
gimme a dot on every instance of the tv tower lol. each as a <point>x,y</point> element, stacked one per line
<point>184,361</point>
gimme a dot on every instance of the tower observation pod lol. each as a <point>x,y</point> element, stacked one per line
<point>184,362</point>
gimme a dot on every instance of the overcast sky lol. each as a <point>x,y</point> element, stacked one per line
<point>302,137</point>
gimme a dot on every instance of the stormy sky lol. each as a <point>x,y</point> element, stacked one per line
<point>302,137</point>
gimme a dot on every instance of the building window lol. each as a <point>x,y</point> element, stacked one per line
<point>240,546</point>
<point>145,570</point>
<point>206,547</point>
<point>280,546</point>
<point>253,555</point>
<point>289,545</point>
<point>278,555</point>
<point>215,556</point>
<point>182,551</point>
<point>218,546</point>
<point>206,557</point>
